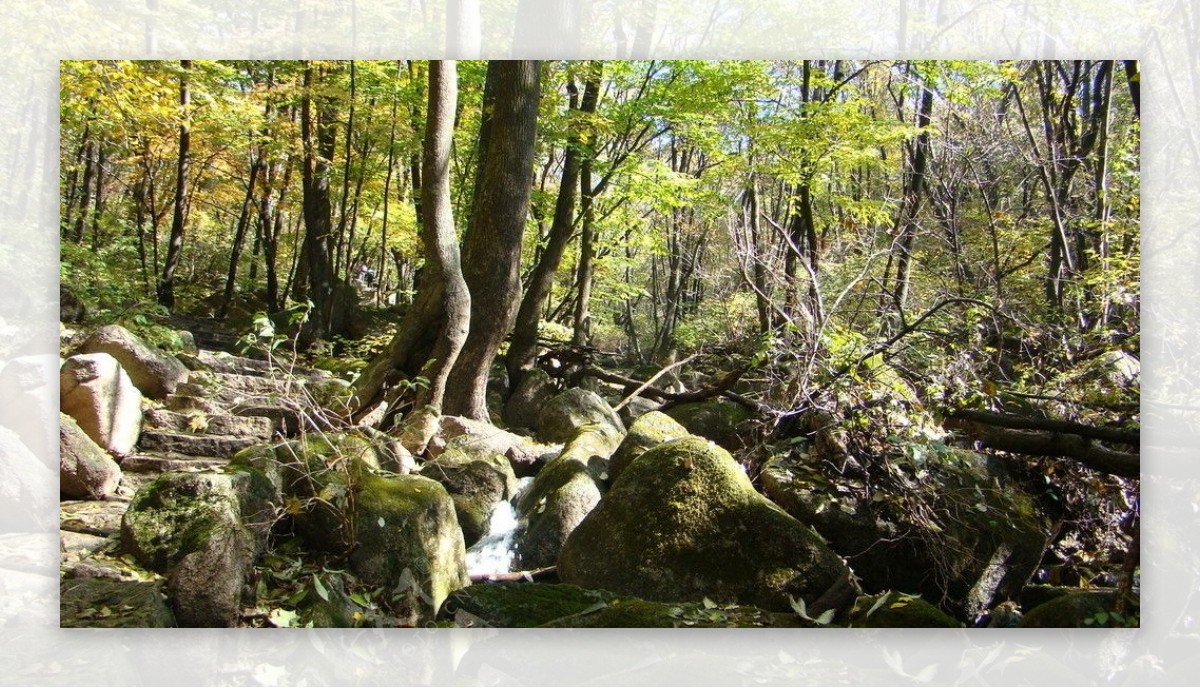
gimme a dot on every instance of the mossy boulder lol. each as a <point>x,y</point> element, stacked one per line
<point>631,612</point>
<point>647,432</point>
<point>968,506</point>
<point>204,530</point>
<point>723,422</point>
<point>1073,610</point>
<point>684,523</point>
<point>563,493</point>
<point>108,603</point>
<point>475,483</point>
<point>519,605</point>
<point>897,610</point>
<point>561,416</point>
<point>407,538</point>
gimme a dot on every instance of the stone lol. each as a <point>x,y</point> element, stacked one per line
<point>195,445</point>
<point>520,605</point>
<point>723,422</point>
<point>475,483</point>
<point>647,432</point>
<point>523,405</point>
<point>155,374</point>
<point>563,493</point>
<point>562,416</point>
<point>685,523</point>
<point>96,392</point>
<point>204,531</point>
<point>1073,610</point>
<point>106,603</point>
<point>85,471</point>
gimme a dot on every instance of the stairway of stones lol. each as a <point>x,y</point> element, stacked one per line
<point>226,403</point>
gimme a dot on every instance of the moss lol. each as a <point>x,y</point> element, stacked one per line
<point>897,610</point>
<point>635,613</point>
<point>105,603</point>
<point>521,605</point>
<point>684,522</point>
<point>1071,610</point>
<point>648,431</point>
<point>564,415</point>
<point>177,514</point>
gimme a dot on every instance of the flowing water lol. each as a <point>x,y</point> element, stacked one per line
<point>496,551</point>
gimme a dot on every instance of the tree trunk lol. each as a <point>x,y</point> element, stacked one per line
<point>239,238</point>
<point>437,232</point>
<point>166,285</point>
<point>906,223</point>
<point>317,132</point>
<point>492,245</point>
<point>587,258</point>
<point>522,351</point>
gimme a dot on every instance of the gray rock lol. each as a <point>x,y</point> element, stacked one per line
<point>155,374</point>
<point>98,394</point>
<point>85,471</point>
<point>523,405</point>
<point>562,416</point>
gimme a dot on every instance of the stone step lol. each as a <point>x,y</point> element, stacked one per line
<point>221,362</point>
<point>195,445</point>
<point>162,463</point>
<point>92,518</point>
<point>249,384</point>
<point>217,424</point>
<point>223,396</point>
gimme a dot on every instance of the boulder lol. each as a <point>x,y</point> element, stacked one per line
<point>524,404</point>
<point>563,493</point>
<point>475,483</point>
<point>723,422</point>
<point>98,394</point>
<point>636,408</point>
<point>562,416</point>
<point>407,538</point>
<point>996,534</point>
<point>477,438</point>
<point>155,374</point>
<point>647,432</point>
<point>85,471</point>
<point>204,530</point>
<point>683,522</point>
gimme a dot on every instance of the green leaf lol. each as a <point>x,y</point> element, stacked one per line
<point>320,588</point>
<point>283,618</point>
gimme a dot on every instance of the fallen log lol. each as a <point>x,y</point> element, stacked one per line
<point>1050,443</point>
<point>1008,420</point>
<point>720,388</point>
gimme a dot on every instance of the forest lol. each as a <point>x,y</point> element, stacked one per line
<point>600,343</point>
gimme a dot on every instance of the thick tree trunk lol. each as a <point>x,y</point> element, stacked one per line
<point>492,245</point>
<point>166,284</point>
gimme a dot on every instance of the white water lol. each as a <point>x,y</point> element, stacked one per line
<point>495,551</point>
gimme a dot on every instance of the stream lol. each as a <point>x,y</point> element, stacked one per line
<point>496,551</point>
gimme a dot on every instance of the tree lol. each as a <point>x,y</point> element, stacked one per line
<point>166,284</point>
<point>317,132</point>
<point>492,244</point>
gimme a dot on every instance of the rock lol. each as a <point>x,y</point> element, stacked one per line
<point>1073,610</point>
<point>647,432</point>
<point>996,533</point>
<point>106,603</point>
<point>563,415</point>
<point>26,493</point>
<point>96,392</point>
<point>563,493</point>
<point>195,445</point>
<point>204,530</point>
<point>92,518</point>
<point>723,422</point>
<point>473,437</point>
<point>70,306</point>
<point>187,342</point>
<point>524,404</point>
<point>155,374</point>
<point>475,483</point>
<point>684,523</point>
<point>520,605</point>
<point>217,424</point>
<point>85,471</point>
<point>407,538</point>
<point>629,612</point>
<point>636,408</point>
<point>400,532</point>
<point>897,610</point>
